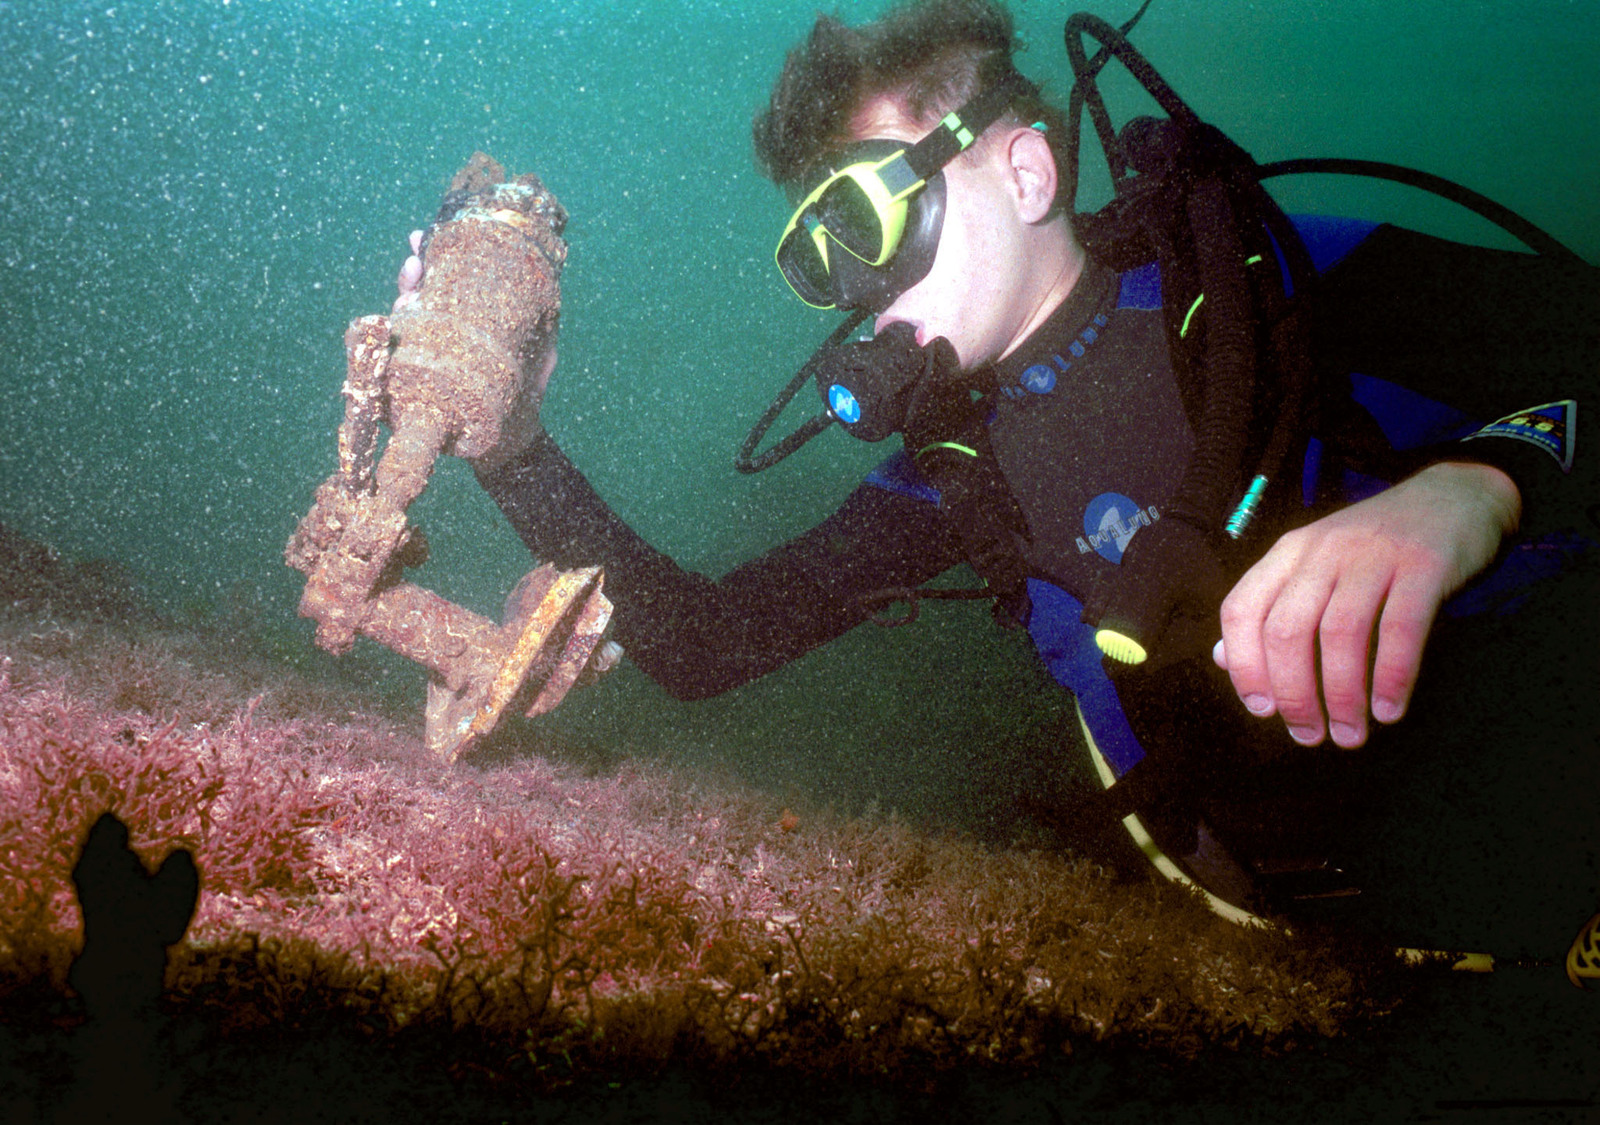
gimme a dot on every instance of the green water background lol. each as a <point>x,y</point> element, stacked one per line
<point>195,198</point>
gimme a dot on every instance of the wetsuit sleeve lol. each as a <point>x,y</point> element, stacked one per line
<point>1488,332</point>
<point>697,636</point>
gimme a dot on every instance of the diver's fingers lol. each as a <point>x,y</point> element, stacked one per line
<point>1402,633</point>
<point>410,276</point>
<point>1344,636</point>
<point>1241,651</point>
<point>410,280</point>
<point>1289,645</point>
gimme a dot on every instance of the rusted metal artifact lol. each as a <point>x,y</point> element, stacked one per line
<point>444,374</point>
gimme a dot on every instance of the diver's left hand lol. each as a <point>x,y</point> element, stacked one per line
<point>409,283</point>
<point>1387,562</point>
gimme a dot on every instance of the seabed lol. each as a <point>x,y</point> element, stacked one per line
<point>519,936</point>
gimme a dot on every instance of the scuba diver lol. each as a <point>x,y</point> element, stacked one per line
<point>1232,472</point>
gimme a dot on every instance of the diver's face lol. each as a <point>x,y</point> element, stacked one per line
<point>976,294</point>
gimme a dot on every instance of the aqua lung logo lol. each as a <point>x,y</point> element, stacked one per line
<point>1110,521</point>
<point>843,404</point>
<point>1040,379</point>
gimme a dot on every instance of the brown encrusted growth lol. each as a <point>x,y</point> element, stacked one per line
<point>366,342</point>
<point>480,171</point>
<point>489,304</point>
<point>591,923</point>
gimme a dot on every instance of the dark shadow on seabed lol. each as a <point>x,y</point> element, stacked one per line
<point>130,918</point>
<point>106,1055</point>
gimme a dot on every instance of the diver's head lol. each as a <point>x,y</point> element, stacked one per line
<point>931,56</point>
<point>966,250</point>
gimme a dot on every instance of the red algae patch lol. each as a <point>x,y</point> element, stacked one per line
<point>576,924</point>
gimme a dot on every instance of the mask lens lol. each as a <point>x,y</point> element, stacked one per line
<point>853,222</point>
<point>802,256</point>
<point>856,209</point>
<point>861,286</point>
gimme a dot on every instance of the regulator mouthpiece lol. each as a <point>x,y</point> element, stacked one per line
<point>868,386</point>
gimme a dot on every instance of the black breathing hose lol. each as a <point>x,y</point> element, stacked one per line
<point>746,460</point>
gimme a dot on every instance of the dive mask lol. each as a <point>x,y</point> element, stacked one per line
<point>872,205</point>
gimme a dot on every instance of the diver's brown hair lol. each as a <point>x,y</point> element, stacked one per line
<point>930,55</point>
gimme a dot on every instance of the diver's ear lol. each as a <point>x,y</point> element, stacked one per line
<point>1033,171</point>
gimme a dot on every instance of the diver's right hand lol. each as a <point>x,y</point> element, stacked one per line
<point>410,279</point>
<point>1298,628</point>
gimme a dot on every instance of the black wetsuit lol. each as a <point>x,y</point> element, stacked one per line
<point>1091,429</point>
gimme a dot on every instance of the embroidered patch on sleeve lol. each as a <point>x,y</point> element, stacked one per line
<point>1552,427</point>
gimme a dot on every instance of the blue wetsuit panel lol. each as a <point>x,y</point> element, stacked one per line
<point>1066,645</point>
<point>1141,288</point>
<point>1409,420</point>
